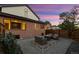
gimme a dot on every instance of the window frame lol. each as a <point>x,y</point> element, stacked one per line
<point>17,26</point>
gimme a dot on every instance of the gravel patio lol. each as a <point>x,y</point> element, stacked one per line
<point>53,47</point>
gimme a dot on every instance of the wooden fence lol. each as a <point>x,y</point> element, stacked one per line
<point>64,33</point>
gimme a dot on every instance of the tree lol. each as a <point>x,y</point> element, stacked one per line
<point>66,25</point>
<point>69,21</point>
<point>47,22</point>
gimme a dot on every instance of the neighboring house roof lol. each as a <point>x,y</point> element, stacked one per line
<point>14,5</point>
<point>20,18</point>
<point>55,28</point>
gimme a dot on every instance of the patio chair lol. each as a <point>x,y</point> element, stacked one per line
<point>49,37</point>
<point>56,37</point>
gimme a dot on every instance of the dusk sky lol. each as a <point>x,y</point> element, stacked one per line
<point>51,12</point>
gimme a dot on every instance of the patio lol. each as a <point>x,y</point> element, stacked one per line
<point>53,47</point>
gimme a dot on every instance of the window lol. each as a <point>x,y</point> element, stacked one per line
<point>15,25</point>
<point>23,26</point>
<point>6,26</point>
<point>35,26</point>
<point>7,23</point>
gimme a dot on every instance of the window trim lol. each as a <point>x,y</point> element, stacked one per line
<point>16,28</point>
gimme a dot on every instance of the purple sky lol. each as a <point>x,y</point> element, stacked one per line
<point>51,12</point>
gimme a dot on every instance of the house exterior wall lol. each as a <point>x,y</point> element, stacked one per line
<point>29,32</point>
<point>47,26</point>
<point>22,11</point>
<point>1,19</point>
<point>1,27</point>
<point>7,20</point>
<point>32,29</point>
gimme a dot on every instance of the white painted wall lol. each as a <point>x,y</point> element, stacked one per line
<point>20,11</point>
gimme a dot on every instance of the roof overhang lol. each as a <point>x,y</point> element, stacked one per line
<point>20,18</point>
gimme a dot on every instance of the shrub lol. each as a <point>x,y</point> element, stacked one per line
<point>10,45</point>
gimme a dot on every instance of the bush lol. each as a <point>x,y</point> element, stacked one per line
<point>10,45</point>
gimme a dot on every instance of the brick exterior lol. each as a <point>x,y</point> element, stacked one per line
<point>32,28</point>
<point>30,31</point>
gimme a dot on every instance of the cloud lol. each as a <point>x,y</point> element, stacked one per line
<point>51,7</point>
<point>54,23</point>
<point>45,10</point>
<point>52,17</point>
<point>51,12</point>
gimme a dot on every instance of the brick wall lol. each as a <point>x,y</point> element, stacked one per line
<point>30,31</point>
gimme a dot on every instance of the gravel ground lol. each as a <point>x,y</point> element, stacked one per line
<point>53,47</point>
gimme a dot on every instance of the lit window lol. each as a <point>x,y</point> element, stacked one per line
<point>7,23</point>
<point>35,26</point>
<point>6,26</point>
<point>23,26</point>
